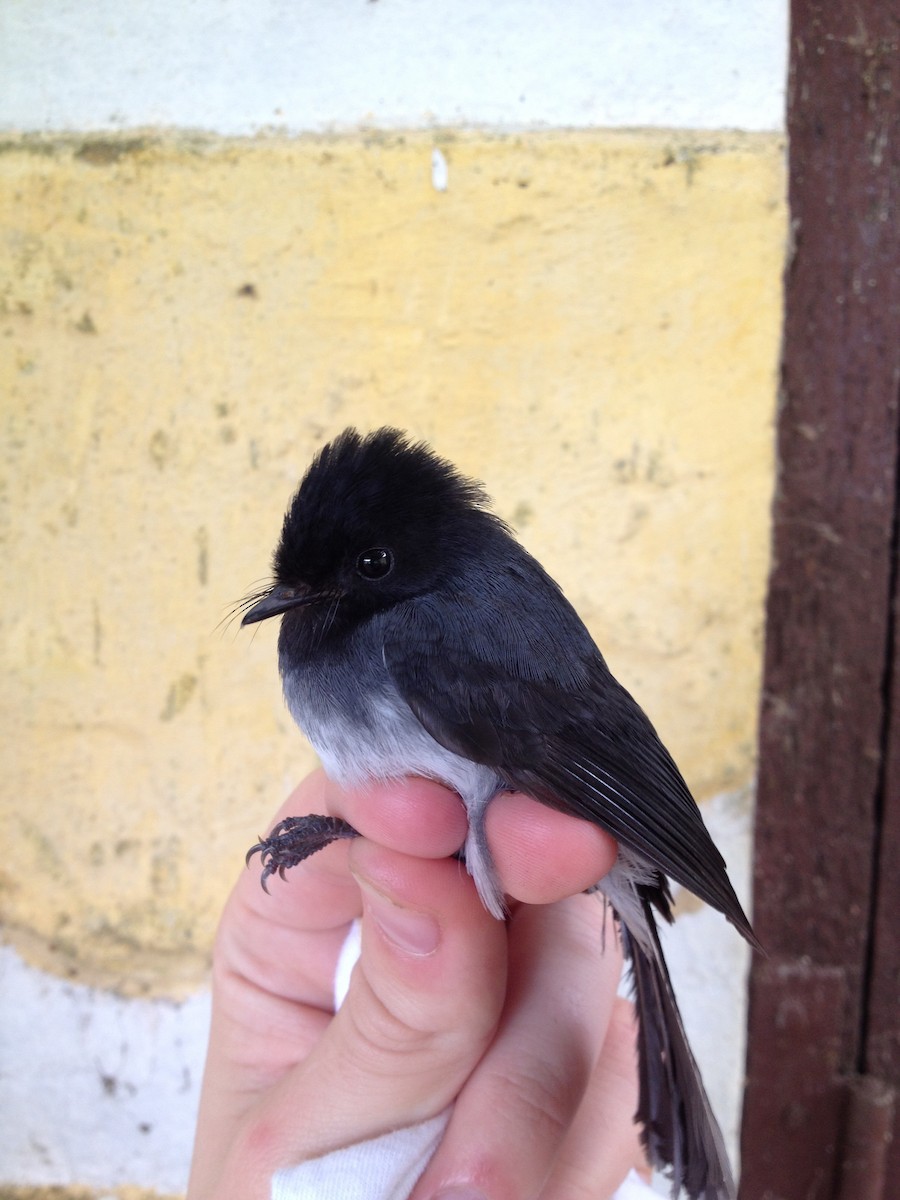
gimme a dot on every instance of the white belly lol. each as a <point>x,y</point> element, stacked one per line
<point>383,739</point>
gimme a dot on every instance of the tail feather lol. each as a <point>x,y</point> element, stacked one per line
<point>680,1134</point>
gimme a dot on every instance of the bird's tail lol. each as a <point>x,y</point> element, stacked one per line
<point>680,1134</point>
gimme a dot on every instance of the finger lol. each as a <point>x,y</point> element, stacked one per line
<point>275,956</point>
<point>513,1114</point>
<point>423,1004</point>
<point>285,941</point>
<point>413,815</point>
<point>542,854</point>
<point>317,900</point>
<point>603,1143</point>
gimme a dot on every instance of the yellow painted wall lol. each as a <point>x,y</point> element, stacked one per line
<point>587,321</point>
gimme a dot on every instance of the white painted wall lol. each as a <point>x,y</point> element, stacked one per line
<point>94,1089</point>
<point>240,66</point>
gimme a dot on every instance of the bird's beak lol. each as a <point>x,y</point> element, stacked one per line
<point>279,600</point>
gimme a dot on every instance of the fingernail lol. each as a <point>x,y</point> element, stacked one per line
<point>414,932</point>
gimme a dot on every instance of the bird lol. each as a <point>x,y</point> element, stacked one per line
<point>419,637</point>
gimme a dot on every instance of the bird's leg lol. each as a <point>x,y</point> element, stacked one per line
<point>294,839</point>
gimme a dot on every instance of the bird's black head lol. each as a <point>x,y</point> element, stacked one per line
<point>376,519</point>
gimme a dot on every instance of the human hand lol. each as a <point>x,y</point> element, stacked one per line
<point>516,1022</point>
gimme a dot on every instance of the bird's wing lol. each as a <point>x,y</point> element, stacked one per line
<point>543,710</point>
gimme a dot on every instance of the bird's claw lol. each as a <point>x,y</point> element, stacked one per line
<point>294,839</point>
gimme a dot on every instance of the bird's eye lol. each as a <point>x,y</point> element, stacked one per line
<point>375,563</point>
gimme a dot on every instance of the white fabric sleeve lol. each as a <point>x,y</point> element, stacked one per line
<point>386,1167</point>
<point>383,1168</point>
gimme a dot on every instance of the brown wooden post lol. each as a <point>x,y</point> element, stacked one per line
<point>825,1005</point>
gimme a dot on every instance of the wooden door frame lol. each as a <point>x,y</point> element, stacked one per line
<point>823,1063</point>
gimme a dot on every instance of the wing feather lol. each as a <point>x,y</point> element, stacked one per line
<point>541,708</point>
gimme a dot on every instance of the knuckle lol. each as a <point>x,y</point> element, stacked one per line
<point>382,1033</point>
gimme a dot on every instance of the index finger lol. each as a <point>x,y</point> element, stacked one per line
<point>415,816</point>
<point>288,938</point>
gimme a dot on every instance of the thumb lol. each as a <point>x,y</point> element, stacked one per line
<point>423,1005</point>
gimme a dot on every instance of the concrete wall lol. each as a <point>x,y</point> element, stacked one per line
<point>450,223</point>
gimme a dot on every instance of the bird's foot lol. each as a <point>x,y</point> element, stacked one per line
<point>294,839</point>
